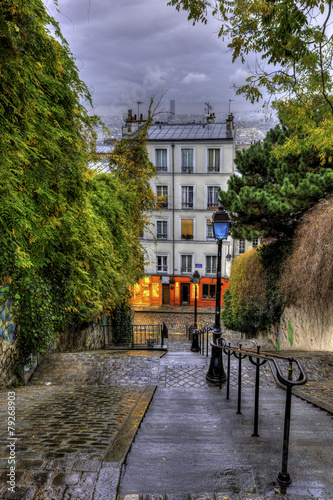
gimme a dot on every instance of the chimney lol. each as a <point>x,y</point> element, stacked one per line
<point>230,125</point>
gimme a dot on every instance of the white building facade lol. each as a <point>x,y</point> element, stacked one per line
<point>193,162</point>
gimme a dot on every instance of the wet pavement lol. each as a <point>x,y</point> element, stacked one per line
<point>80,411</point>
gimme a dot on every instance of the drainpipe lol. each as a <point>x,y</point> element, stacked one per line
<point>173,206</point>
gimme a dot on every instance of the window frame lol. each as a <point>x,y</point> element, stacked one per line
<point>181,227</point>
<point>211,238</point>
<point>162,256</point>
<point>166,202</point>
<point>241,246</point>
<point>186,186</point>
<point>164,168</point>
<point>189,255</point>
<point>209,285</point>
<point>209,269</point>
<point>210,205</point>
<point>212,169</point>
<point>187,169</point>
<point>164,221</point>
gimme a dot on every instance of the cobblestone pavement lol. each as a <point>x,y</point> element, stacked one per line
<point>318,367</point>
<point>71,412</point>
<point>67,419</point>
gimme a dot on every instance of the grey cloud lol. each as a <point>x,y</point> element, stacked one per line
<point>129,50</point>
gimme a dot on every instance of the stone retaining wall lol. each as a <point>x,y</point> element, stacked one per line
<point>8,363</point>
<point>305,330</point>
<point>69,340</point>
<point>77,339</point>
<point>176,319</point>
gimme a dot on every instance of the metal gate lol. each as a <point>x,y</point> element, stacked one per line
<point>137,336</point>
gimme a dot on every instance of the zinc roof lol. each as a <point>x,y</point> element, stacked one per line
<point>187,132</point>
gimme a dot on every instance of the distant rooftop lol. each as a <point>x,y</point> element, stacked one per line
<point>189,131</point>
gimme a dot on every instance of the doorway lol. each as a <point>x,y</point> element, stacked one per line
<point>166,294</point>
<point>185,294</point>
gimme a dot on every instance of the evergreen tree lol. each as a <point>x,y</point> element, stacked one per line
<point>271,194</point>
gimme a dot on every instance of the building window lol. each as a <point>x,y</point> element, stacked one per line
<point>211,264</point>
<point>186,264</point>
<point>162,230</point>
<point>162,193</point>
<point>214,160</point>
<point>187,160</point>
<point>208,291</point>
<point>209,230</point>
<point>161,160</point>
<point>255,242</point>
<point>162,264</point>
<point>187,229</point>
<point>212,197</point>
<point>241,246</point>
<point>187,196</point>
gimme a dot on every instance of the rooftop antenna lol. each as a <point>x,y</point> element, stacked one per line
<point>229,104</point>
<point>138,103</point>
<point>208,109</point>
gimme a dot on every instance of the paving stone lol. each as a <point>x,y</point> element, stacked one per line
<point>63,479</point>
<point>50,493</point>
<point>78,493</point>
<point>38,478</point>
<point>67,427</point>
<point>21,493</point>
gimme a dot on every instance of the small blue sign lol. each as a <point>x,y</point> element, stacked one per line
<point>198,265</point>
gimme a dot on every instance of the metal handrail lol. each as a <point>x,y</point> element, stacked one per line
<point>258,359</point>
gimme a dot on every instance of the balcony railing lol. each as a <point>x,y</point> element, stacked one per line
<point>162,269</point>
<point>187,170</point>
<point>211,270</point>
<point>186,270</point>
<point>162,236</point>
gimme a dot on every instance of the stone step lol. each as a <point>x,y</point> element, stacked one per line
<point>193,441</point>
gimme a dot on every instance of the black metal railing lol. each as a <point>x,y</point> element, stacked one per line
<point>200,338</point>
<point>137,336</point>
<point>258,359</point>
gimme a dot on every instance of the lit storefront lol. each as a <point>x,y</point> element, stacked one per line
<point>180,291</point>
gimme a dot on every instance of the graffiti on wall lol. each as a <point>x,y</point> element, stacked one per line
<point>8,330</point>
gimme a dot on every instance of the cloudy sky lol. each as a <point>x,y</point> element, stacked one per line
<point>130,50</point>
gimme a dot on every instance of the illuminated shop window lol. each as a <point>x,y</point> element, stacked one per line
<point>208,291</point>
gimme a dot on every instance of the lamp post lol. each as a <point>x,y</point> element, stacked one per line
<point>221,223</point>
<point>195,344</point>
<point>196,281</point>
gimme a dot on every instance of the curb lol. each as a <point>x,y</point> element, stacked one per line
<point>114,459</point>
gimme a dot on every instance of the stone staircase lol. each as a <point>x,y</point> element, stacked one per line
<point>193,445</point>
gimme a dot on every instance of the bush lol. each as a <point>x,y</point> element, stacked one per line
<point>245,301</point>
<point>253,301</point>
<point>307,277</point>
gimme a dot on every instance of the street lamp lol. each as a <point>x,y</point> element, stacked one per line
<point>221,223</point>
<point>195,280</point>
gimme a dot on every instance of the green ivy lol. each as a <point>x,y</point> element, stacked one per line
<point>69,237</point>
<point>122,325</point>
